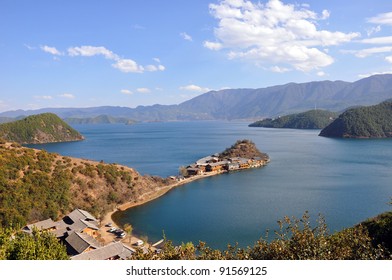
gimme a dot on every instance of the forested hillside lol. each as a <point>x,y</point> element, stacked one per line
<point>313,119</point>
<point>43,128</point>
<point>364,122</point>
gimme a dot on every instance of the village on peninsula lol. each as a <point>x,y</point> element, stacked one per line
<point>88,238</point>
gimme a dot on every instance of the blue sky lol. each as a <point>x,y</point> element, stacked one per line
<point>143,52</point>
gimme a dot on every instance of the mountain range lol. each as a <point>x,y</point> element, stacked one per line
<point>231,104</point>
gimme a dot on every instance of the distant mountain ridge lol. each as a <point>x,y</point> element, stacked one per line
<point>260,103</point>
<point>101,119</point>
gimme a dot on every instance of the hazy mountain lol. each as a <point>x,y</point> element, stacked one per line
<point>247,103</point>
<point>101,119</point>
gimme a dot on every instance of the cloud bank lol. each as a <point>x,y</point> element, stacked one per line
<point>274,34</point>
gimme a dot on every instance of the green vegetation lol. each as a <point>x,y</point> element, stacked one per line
<point>36,185</point>
<point>364,122</point>
<point>313,119</point>
<point>43,128</point>
<point>243,148</point>
<point>380,229</point>
<point>101,119</point>
<point>296,240</point>
<point>38,246</point>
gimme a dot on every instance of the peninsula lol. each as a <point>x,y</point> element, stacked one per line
<point>242,155</point>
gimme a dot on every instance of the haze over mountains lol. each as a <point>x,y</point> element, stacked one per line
<point>232,104</point>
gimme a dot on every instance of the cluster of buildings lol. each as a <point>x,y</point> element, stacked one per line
<point>215,164</point>
<point>78,231</point>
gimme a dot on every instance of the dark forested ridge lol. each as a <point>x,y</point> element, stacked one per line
<point>313,119</point>
<point>364,122</point>
<point>36,129</point>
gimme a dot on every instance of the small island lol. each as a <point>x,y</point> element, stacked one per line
<point>242,155</point>
<point>39,129</point>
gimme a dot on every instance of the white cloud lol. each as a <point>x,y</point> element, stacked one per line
<point>389,59</point>
<point>373,30</point>
<point>378,40</point>
<point>143,90</point>
<point>44,97</point>
<point>67,95</point>
<point>123,64</point>
<point>92,51</point>
<point>212,45</point>
<point>51,50</point>
<point>370,51</point>
<point>186,36</point>
<point>274,33</point>
<point>154,68</point>
<point>128,66</point>
<point>29,47</point>
<point>126,91</point>
<point>194,88</point>
<point>385,18</point>
<point>278,69</point>
<point>373,73</point>
<point>321,73</point>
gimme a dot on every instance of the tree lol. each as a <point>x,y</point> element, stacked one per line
<point>128,229</point>
<point>37,246</point>
<point>182,171</point>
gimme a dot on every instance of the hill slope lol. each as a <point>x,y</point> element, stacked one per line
<point>36,185</point>
<point>36,129</point>
<point>313,119</point>
<point>364,122</point>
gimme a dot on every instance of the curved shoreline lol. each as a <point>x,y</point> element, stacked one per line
<point>147,197</point>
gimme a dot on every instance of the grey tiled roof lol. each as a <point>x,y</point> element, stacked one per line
<point>79,214</point>
<point>114,250</point>
<point>41,225</point>
<point>80,241</point>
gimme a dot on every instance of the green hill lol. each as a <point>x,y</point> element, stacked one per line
<point>364,122</point>
<point>37,129</point>
<point>313,119</point>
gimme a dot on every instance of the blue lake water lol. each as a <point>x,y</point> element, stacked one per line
<point>345,180</point>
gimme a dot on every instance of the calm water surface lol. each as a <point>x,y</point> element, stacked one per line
<point>345,180</point>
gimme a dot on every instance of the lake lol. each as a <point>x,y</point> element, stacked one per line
<point>345,180</point>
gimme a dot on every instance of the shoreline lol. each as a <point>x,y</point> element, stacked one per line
<point>108,218</point>
<point>147,197</point>
<point>162,191</point>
